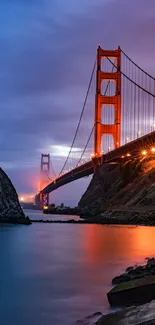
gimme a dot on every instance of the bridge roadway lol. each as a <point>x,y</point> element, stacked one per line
<point>134,148</point>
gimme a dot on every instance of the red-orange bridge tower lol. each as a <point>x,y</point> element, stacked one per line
<point>44,175</point>
<point>103,100</point>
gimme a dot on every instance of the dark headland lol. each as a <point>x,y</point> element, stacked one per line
<point>119,193</point>
<point>122,193</point>
<point>10,209</point>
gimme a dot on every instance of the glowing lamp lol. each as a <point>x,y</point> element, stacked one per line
<point>153,150</point>
<point>144,152</point>
<point>139,133</point>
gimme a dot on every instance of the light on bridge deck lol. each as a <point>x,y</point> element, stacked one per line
<point>144,152</point>
<point>127,139</point>
<point>139,133</point>
<point>152,127</point>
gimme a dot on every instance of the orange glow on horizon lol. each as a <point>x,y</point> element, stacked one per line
<point>27,198</point>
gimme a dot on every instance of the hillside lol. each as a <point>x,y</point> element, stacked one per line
<point>127,186</point>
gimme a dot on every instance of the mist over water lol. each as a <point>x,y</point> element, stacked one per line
<point>60,273</point>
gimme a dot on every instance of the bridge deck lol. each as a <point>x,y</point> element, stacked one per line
<point>134,148</point>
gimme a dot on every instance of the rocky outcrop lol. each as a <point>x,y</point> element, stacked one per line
<point>140,315</point>
<point>136,272</point>
<point>127,186</point>
<point>133,292</point>
<point>10,209</point>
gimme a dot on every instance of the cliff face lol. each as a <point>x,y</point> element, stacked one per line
<point>129,184</point>
<point>10,208</point>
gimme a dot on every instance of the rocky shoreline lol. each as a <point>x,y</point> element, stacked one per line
<point>136,272</point>
<point>113,217</point>
<point>66,211</point>
<point>16,221</point>
<point>133,288</point>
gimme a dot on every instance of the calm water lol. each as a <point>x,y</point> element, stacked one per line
<point>53,274</point>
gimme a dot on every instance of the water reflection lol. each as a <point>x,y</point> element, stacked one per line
<point>55,272</point>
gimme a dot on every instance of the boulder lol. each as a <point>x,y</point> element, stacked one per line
<point>139,270</point>
<point>137,291</point>
<point>129,269</point>
<point>139,315</point>
<point>121,278</point>
<point>151,261</point>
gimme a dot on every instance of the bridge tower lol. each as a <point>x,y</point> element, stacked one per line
<point>101,100</point>
<point>44,174</point>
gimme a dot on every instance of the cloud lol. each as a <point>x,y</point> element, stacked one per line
<point>47,54</point>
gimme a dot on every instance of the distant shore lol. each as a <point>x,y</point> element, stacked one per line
<point>15,221</point>
<point>113,217</point>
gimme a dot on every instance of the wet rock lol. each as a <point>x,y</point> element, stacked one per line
<point>136,272</point>
<point>97,314</point>
<point>152,271</point>
<point>139,269</point>
<point>140,315</point>
<point>121,278</point>
<point>147,258</point>
<point>137,291</point>
<point>151,261</point>
<point>89,320</point>
<point>129,269</point>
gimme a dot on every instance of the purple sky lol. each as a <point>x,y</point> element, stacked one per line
<point>47,52</point>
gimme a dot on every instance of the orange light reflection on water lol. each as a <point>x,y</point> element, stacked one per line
<point>102,242</point>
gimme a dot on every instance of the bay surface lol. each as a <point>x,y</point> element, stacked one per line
<point>60,273</point>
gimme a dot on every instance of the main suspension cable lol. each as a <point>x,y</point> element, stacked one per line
<point>137,65</point>
<point>83,152</point>
<point>52,168</point>
<point>83,108</point>
<point>146,91</point>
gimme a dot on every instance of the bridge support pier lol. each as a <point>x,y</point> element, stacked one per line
<point>44,200</point>
<point>103,100</point>
<point>44,173</point>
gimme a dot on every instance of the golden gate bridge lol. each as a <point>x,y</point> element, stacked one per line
<point>117,121</point>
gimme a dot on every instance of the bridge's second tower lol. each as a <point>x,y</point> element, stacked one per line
<point>44,174</point>
<point>103,100</point>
